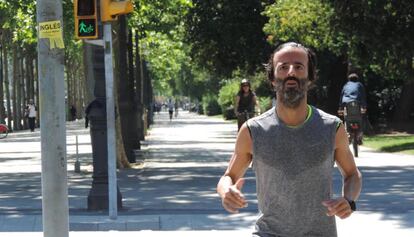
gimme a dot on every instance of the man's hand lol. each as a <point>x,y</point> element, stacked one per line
<point>338,207</point>
<point>233,199</point>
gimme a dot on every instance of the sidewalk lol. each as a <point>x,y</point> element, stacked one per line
<point>174,193</point>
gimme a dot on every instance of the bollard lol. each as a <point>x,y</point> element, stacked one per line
<point>98,194</point>
<point>77,162</point>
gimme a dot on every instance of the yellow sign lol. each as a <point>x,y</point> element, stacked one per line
<point>52,30</point>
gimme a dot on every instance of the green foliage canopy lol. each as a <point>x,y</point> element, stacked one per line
<point>161,29</point>
<point>307,22</point>
<point>226,35</point>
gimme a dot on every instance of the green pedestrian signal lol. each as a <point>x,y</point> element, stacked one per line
<point>86,27</point>
<point>86,19</point>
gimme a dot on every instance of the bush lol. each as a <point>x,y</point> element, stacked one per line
<point>210,105</point>
<point>226,98</point>
<point>228,113</point>
<point>265,103</point>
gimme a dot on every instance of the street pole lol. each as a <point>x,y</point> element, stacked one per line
<point>55,207</point>
<point>110,116</point>
<point>2,108</point>
<point>77,162</point>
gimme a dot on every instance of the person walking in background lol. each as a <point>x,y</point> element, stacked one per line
<point>292,148</point>
<point>246,101</point>
<point>73,112</point>
<point>30,113</point>
<point>170,108</point>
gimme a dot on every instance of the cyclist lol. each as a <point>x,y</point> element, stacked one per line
<point>246,101</point>
<point>352,91</point>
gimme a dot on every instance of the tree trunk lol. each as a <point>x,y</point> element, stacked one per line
<point>2,109</point>
<point>81,97</point>
<point>131,93</point>
<point>23,89</point>
<point>39,115</point>
<point>337,78</point>
<point>125,92</point>
<point>7,86</point>
<point>147,95</point>
<point>138,88</point>
<point>122,159</point>
<point>16,120</point>
<point>31,76</point>
<point>69,91</point>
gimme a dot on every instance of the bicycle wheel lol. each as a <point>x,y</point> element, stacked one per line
<point>3,131</point>
<point>355,143</point>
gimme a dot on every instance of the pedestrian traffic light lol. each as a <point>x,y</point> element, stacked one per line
<point>86,19</point>
<point>110,9</point>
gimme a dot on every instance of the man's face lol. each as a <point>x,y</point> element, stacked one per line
<point>291,76</point>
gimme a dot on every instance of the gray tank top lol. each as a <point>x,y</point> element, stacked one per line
<point>293,168</point>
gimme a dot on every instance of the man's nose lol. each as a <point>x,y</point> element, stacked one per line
<point>291,71</point>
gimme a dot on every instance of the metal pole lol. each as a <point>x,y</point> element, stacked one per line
<point>2,108</point>
<point>55,207</point>
<point>110,116</point>
<point>77,163</point>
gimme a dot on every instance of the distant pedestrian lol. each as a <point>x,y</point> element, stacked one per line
<point>30,114</point>
<point>73,113</point>
<point>170,108</point>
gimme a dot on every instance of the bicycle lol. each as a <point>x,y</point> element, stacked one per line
<point>4,130</point>
<point>243,117</point>
<point>352,113</point>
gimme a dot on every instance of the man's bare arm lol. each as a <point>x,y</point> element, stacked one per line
<point>230,184</point>
<point>350,173</point>
<point>236,105</point>
<point>346,164</point>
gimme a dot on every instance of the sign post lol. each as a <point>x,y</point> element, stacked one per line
<point>109,11</point>
<point>55,206</point>
<point>110,122</point>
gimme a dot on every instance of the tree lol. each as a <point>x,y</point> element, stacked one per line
<point>226,35</point>
<point>379,36</point>
<point>310,23</point>
<point>161,30</point>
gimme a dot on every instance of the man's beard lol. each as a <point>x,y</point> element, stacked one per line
<point>291,97</point>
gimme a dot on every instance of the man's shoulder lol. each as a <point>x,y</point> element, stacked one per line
<point>266,115</point>
<point>326,116</point>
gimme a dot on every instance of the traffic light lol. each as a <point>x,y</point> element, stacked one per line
<point>110,9</point>
<point>86,19</point>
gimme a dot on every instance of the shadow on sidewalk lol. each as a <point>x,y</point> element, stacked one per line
<point>388,191</point>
